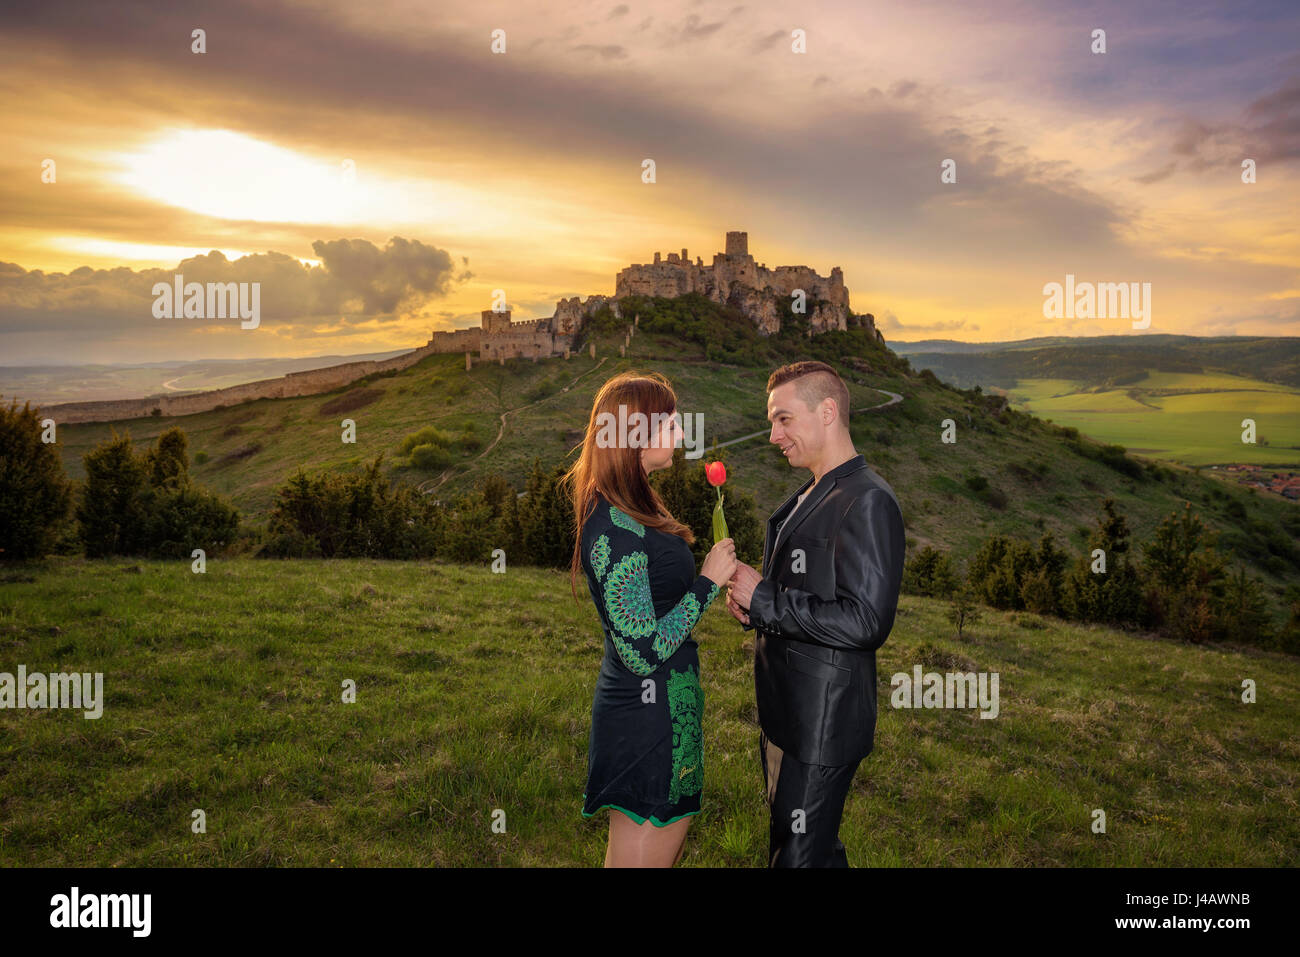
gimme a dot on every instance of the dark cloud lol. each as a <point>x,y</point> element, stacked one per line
<point>1157,175</point>
<point>1269,133</point>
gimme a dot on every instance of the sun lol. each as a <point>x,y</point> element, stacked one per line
<point>231,176</point>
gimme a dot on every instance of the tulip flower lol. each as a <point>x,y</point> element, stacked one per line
<point>716,473</point>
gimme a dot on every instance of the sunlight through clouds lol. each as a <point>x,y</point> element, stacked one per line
<point>231,176</point>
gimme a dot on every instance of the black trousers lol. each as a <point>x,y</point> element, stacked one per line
<point>806,802</point>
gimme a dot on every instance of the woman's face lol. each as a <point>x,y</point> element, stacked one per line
<point>665,439</point>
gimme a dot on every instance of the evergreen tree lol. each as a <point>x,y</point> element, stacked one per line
<point>111,512</point>
<point>1113,596</point>
<point>929,573</point>
<point>35,494</point>
<point>167,462</point>
<point>1187,577</point>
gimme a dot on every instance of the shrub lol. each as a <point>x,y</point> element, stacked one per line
<point>144,503</point>
<point>929,573</point>
<point>182,519</point>
<point>111,511</point>
<point>430,457</point>
<point>353,515</point>
<point>35,494</point>
<point>425,436</point>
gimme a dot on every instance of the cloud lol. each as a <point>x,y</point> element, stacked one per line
<point>356,283</point>
<point>1270,133</point>
<point>1157,175</point>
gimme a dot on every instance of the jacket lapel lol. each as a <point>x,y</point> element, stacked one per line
<point>773,520</point>
<point>819,492</point>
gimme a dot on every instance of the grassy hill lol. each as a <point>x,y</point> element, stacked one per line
<point>1176,398</point>
<point>1039,479</point>
<point>474,694</point>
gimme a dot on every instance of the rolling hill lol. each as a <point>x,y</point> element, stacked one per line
<point>1040,478</point>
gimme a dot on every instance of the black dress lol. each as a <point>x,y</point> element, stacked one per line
<point>645,756</point>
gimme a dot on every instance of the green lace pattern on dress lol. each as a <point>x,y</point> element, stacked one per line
<point>623,520</point>
<point>627,596</point>
<point>686,705</point>
<point>600,557</point>
<point>674,626</point>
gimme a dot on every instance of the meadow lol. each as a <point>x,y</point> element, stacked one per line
<point>1191,418</point>
<point>473,693</point>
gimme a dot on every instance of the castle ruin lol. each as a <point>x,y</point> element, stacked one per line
<point>733,278</point>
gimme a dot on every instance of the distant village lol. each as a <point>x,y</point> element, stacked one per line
<point>1254,476</point>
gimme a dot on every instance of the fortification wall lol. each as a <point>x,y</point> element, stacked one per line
<point>308,382</point>
<point>523,344</point>
<point>457,340</point>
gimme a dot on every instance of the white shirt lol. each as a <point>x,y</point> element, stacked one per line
<point>795,509</point>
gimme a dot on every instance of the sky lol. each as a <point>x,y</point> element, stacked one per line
<point>380,171</point>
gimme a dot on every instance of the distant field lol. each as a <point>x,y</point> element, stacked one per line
<point>223,693</point>
<point>1190,418</point>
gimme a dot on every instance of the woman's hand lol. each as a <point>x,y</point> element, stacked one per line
<point>720,564</point>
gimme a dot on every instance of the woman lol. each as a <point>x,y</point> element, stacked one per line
<point>645,756</point>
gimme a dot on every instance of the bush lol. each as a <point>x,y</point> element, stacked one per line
<point>111,511</point>
<point>35,494</point>
<point>356,515</point>
<point>426,436</point>
<point>180,520</point>
<point>929,573</point>
<point>143,503</point>
<point>542,390</point>
<point>1115,595</point>
<point>430,458</point>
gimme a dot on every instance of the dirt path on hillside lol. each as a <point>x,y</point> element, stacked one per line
<point>429,486</point>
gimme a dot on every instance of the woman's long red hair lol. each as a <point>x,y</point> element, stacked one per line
<point>616,472</point>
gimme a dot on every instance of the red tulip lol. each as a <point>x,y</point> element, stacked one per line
<point>716,473</point>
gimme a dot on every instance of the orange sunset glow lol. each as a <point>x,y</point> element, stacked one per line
<point>304,138</point>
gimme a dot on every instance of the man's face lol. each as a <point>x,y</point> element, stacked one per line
<point>796,429</point>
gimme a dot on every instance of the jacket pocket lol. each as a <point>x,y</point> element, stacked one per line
<point>833,674</point>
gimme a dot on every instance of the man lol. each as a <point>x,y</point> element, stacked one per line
<point>832,567</point>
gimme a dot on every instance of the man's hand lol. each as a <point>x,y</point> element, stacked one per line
<point>742,585</point>
<point>737,612</point>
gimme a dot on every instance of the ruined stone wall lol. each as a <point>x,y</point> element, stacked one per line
<point>572,314</point>
<point>458,340</point>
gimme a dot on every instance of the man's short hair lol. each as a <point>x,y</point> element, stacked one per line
<point>814,381</point>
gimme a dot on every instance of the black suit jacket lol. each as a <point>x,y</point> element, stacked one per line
<point>821,613</point>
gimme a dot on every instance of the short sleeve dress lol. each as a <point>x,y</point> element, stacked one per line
<point>645,756</point>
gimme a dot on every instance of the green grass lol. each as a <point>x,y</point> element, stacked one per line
<point>474,693</point>
<point>1191,418</point>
